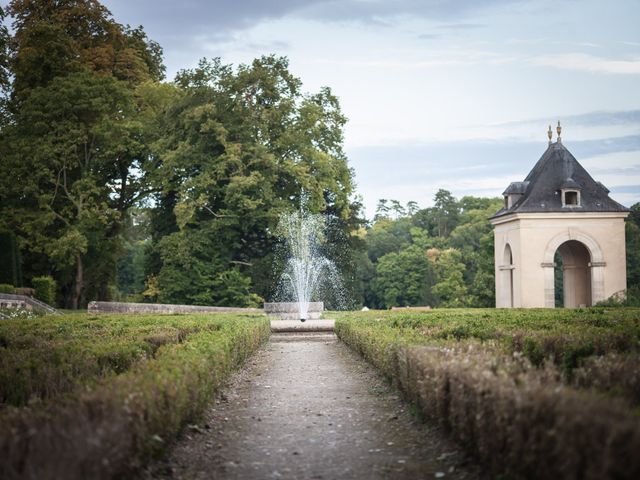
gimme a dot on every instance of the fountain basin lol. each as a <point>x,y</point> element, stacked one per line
<point>291,310</point>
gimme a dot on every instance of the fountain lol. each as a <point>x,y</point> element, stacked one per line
<point>306,269</point>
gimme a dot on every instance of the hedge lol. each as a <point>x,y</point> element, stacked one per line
<point>519,420</point>
<point>45,289</point>
<point>109,429</point>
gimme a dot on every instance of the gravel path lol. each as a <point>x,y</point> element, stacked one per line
<point>307,407</point>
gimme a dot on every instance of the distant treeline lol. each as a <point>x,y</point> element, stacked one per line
<point>443,255</point>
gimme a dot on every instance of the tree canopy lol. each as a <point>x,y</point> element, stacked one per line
<point>437,256</point>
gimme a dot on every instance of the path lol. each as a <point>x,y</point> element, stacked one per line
<point>306,407</point>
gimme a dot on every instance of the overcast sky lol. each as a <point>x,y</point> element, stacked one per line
<point>453,94</point>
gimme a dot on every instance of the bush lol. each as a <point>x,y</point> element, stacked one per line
<point>6,288</point>
<point>625,298</point>
<point>45,289</point>
<point>107,428</point>
<point>27,292</point>
<point>532,394</point>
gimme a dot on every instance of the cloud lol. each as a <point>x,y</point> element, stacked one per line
<point>428,36</point>
<point>483,167</point>
<point>588,63</point>
<point>461,26</point>
<point>591,119</point>
<point>220,18</point>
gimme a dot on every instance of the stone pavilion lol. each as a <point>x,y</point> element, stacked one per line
<point>559,212</point>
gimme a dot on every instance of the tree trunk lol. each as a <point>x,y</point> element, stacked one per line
<point>79,284</point>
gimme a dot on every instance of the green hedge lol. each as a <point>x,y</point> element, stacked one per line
<point>45,289</point>
<point>6,288</point>
<point>520,420</point>
<point>106,429</point>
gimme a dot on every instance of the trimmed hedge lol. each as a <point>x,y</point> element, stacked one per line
<point>45,289</point>
<point>111,427</point>
<point>520,420</point>
<point>6,288</point>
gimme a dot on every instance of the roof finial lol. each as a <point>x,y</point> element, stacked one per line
<point>559,130</point>
<point>550,134</point>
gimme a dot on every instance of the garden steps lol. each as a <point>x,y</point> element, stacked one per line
<point>296,326</point>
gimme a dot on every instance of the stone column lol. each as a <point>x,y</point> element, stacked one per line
<point>549,285</point>
<point>597,282</point>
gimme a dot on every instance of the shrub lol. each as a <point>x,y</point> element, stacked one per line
<point>6,288</point>
<point>503,383</point>
<point>109,427</point>
<point>45,289</point>
<point>27,292</point>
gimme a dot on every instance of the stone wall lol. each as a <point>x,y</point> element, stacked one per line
<point>8,300</point>
<point>121,307</point>
<point>291,310</point>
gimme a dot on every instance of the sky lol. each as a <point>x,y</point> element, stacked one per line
<point>454,94</point>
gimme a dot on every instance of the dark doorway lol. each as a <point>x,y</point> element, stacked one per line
<point>572,275</point>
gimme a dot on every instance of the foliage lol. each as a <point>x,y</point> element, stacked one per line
<point>130,268</point>
<point>403,278</point>
<point>450,289</point>
<point>10,260</point>
<point>554,391</point>
<point>7,288</point>
<point>78,107</point>
<point>45,289</point>
<point>238,148</point>
<point>18,313</point>
<point>456,237</point>
<point>114,386</point>
<point>632,228</point>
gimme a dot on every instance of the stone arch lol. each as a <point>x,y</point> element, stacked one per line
<point>507,272</point>
<point>596,265</point>
<point>594,249</point>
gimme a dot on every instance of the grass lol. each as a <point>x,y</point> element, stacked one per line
<point>531,393</point>
<point>94,396</point>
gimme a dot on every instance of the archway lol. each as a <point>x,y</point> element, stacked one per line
<point>507,272</point>
<point>575,265</point>
<point>596,270</point>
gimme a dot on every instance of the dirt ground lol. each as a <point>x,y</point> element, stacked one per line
<point>307,407</point>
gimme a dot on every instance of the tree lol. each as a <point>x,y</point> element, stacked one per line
<point>63,145</point>
<point>403,278</point>
<point>74,136</point>
<point>462,266</point>
<point>632,230</point>
<point>382,210</point>
<point>5,73</point>
<point>474,238</point>
<point>239,148</point>
<point>4,54</point>
<point>54,38</point>
<point>446,210</point>
<point>449,289</point>
<point>386,236</point>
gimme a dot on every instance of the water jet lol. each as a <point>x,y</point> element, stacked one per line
<point>306,270</point>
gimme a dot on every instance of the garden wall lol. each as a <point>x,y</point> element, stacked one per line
<point>121,307</point>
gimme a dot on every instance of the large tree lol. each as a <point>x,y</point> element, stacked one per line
<point>74,139</point>
<point>240,147</point>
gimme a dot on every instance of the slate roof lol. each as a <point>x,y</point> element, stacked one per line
<point>558,169</point>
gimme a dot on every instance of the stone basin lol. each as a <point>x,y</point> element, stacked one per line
<point>291,310</point>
